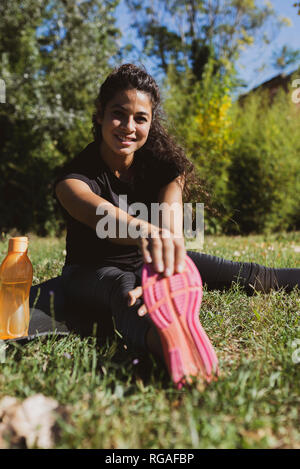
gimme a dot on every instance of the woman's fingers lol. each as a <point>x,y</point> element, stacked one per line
<point>144,247</point>
<point>180,253</point>
<point>142,310</point>
<point>134,294</point>
<point>165,251</point>
<point>156,248</point>
<point>168,256</point>
<point>173,253</point>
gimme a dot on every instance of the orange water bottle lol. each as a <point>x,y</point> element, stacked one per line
<point>15,282</point>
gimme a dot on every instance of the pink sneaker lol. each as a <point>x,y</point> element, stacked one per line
<point>173,304</point>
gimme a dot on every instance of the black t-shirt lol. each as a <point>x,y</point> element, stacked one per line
<point>150,174</point>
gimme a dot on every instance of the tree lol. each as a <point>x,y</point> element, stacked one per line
<point>285,57</point>
<point>192,31</point>
<point>54,56</point>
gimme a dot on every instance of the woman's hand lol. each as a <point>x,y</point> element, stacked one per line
<point>167,254</point>
<point>133,295</point>
<point>165,250</point>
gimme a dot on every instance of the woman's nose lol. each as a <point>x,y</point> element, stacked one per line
<point>128,123</point>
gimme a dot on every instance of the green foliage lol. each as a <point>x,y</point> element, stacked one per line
<point>200,116</point>
<point>285,57</point>
<point>264,184</point>
<point>246,153</point>
<point>54,56</point>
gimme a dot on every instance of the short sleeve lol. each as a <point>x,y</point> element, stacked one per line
<point>80,177</point>
<point>166,174</point>
<point>82,167</point>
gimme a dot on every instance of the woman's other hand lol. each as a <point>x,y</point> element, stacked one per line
<point>133,295</point>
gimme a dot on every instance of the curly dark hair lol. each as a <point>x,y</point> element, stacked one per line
<point>159,143</point>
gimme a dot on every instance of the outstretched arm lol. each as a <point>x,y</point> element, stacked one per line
<point>82,204</point>
<point>158,245</point>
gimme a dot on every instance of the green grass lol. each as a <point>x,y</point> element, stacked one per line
<point>114,402</point>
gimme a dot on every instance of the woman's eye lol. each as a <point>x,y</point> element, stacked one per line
<point>120,114</point>
<point>117,113</point>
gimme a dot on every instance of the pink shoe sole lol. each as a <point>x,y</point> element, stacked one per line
<point>173,304</point>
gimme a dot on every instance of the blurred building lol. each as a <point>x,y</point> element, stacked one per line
<point>289,82</point>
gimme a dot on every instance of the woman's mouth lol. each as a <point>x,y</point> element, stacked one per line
<point>126,141</point>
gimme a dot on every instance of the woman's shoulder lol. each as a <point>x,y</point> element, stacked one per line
<point>86,162</point>
<point>160,171</point>
<point>85,166</point>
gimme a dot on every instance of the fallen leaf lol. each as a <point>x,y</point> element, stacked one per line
<point>32,421</point>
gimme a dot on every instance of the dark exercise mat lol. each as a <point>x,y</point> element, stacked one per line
<point>51,315</point>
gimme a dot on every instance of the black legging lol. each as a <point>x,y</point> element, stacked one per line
<point>94,301</point>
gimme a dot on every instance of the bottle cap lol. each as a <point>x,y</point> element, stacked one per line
<point>18,244</point>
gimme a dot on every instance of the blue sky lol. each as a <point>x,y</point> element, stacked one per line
<point>256,56</point>
<point>251,59</point>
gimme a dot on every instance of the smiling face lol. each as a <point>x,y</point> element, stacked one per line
<point>125,126</point>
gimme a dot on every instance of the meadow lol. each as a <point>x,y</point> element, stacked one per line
<point>116,399</point>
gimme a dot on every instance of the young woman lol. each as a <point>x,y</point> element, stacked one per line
<point>132,155</point>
